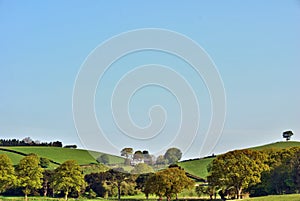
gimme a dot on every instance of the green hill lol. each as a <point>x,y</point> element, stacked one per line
<point>58,154</point>
<point>277,145</point>
<point>198,167</point>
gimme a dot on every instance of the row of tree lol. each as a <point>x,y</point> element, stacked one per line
<point>28,177</point>
<point>27,141</point>
<point>115,182</point>
<point>172,156</point>
<point>255,172</point>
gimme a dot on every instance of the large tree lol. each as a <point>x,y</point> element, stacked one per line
<point>68,176</point>
<point>127,152</point>
<point>168,182</point>
<point>287,135</point>
<point>121,180</point>
<point>29,174</point>
<point>173,155</point>
<point>7,173</point>
<point>238,169</point>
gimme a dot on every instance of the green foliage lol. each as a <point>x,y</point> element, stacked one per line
<point>44,162</point>
<point>68,176</point>
<point>173,155</point>
<point>7,173</point>
<point>238,169</point>
<point>142,168</point>
<point>29,174</point>
<point>168,182</point>
<point>284,174</point>
<point>104,158</point>
<point>161,160</point>
<point>127,152</point>
<point>138,155</point>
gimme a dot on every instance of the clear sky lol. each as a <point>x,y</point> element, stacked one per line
<point>255,46</point>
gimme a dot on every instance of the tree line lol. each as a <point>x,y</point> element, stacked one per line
<point>29,142</point>
<point>29,178</point>
<point>257,173</point>
<point>172,156</point>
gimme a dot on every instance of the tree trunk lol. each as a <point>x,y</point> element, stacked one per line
<point>26,198</point>
<point>45,192</point>
<point>66,195</point>
<point>239,192</point>
<point>119,192</point>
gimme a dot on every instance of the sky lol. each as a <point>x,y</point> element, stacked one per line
<point>254,46</point>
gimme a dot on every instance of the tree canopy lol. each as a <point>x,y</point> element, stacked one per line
<point>237,169</point>
<point>7,173</point>
<point>29,174</point>
<point>168,183</point>
<point>173,155</point>
<point>68,176</point>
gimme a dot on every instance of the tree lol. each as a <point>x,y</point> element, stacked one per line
<point>142,168</point>
<point>161,160</point>
<point>127,152</point>
<point>138,155</point>
<point>44,162</point>
<point>47,180</point>
<point>68,176</point>
<point>287,135</point>
<point>7,173</point>
<point>120,179</point>
<point>96,182</point>
<point>168,183</point>
<point>29,174</point>
<point>27,140</point>
<point>173,155</point>
<point>104,158</point>
<point>238,169</point>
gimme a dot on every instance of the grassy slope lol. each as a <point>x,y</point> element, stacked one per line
<point>196,167</point>
<point>60,155</point>
<point>199,167</point>
<point>277,145</point>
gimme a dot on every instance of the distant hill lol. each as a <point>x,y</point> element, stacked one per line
<point>277,145</point>
<point>57,154</point>
<point>198,167</point>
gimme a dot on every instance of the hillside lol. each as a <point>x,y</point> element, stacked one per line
<point>198,167</point>
<point>277,145</point>
<point>58,154</point>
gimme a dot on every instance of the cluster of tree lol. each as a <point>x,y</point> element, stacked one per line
<point>255,172</point>
<point>115,182</point>
<point>172,156</point>
<point>283,176</point>
<point>28,177</point>
<point>133,158</point>
<point>28,142</point>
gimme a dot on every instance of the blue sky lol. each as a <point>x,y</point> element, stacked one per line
<point>255,46</point>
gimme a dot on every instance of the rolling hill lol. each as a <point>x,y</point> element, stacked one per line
<point>58,154</point>
<point>198,167</point>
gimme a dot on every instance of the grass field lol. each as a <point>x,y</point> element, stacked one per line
<point>60,155</point>
<point>292,197</point>
<point>196,167</point>
<point>277,145</point>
